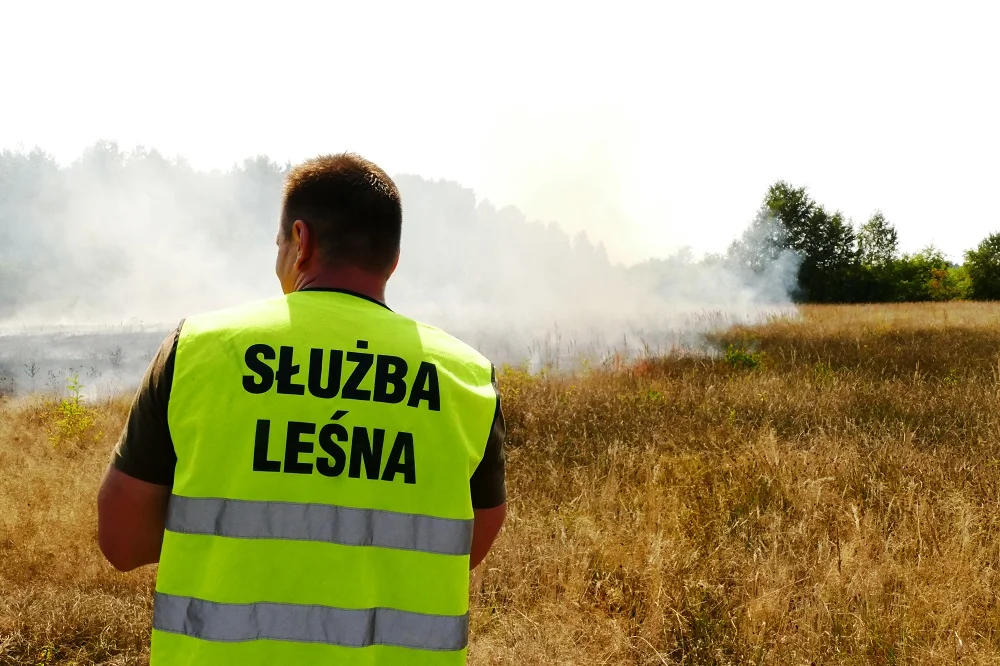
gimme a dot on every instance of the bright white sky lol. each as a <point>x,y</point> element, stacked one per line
<point>650,125</point>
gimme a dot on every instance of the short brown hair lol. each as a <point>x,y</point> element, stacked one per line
<point>352,207</point>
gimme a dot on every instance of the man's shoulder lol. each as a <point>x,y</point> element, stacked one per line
<point>275,313</point>
<point>237,315</point>
<point>444,343</point>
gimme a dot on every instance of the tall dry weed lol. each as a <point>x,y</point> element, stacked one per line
<point>835,502</point>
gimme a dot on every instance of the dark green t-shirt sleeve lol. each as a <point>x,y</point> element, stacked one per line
<point>145,450</point>
<point>489,481</point>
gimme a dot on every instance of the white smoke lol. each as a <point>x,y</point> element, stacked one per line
<point>137,242</point>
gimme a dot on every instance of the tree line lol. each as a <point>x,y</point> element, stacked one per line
<point>841,264</point>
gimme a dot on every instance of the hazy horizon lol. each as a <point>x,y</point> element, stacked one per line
<point>122,236</point>
<point>98,253</point>
<point>98,259</point>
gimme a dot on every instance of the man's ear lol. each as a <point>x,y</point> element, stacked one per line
<point>304,243</point>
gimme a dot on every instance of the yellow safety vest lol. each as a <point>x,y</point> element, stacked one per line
<point>320,512</point>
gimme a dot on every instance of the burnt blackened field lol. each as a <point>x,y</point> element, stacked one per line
<point>104,360</point>
<point>109,360</point>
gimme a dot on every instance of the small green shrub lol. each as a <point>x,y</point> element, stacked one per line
<point>740,357</point>
<point>822,371</point>
<point>46,655</point>
<point>73,419</point>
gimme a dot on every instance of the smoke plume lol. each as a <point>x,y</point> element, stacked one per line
<point>121,244</point>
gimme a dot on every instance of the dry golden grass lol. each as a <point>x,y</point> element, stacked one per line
<point>837,504</point>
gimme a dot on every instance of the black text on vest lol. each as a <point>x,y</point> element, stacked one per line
<point>371,455</point>
<point>354,375</point>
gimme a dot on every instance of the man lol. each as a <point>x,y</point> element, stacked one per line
<point>315,474</point>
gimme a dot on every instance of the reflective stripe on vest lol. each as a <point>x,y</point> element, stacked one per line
<point>318,522</point>
<point>347,627</point>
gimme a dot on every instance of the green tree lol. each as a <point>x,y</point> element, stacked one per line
<point>923,276</point>
<point>878,253</point>
<point>878,242</point>
<point>825,242</point>
<point>983,266</point>
<point>949,284</point>
<point>761,244</point>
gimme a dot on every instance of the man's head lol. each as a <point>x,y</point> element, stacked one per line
<point>341,214</point>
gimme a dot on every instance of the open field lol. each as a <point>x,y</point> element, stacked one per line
<point>105,358</point>
<point>830,495</point>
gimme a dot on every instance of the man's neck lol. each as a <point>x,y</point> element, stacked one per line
<point>348,279</point>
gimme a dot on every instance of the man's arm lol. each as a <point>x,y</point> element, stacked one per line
<point>486,527</point>
<point>132,501</point>
<point>489,489</point>
<point>130,518</point>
